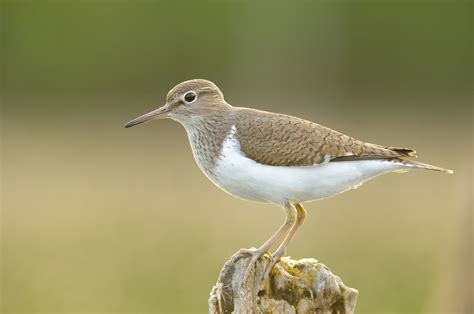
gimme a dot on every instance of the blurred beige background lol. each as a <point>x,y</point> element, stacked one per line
<point>99,219</point>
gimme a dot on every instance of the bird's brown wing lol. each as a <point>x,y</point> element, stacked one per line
<point>281,140</point>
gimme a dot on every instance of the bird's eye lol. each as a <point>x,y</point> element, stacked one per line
<point>190,97</point>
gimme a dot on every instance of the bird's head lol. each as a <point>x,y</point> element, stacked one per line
<point>186,102</point>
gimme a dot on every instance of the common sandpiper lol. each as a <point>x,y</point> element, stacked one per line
<point>274,158</point>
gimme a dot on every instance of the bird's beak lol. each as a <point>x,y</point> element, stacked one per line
<point>159,113</point>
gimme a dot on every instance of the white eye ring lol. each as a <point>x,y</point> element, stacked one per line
<point>190,97</point>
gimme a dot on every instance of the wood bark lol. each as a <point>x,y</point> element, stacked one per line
<point>293,286</point>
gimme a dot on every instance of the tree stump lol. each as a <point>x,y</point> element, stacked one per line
<point>303,286</point>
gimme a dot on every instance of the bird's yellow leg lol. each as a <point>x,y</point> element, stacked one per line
<point>300,218</point>
<point>290,221</point>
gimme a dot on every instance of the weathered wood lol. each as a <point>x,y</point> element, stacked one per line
<point>304,286</point>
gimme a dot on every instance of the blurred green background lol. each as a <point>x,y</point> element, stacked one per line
<point>99,219</point>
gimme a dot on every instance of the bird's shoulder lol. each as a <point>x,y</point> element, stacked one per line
<point>283,140</point>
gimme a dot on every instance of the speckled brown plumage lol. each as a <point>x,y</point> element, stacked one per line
<point>265,137</point>
<point>282,140</point>
<point>206,143</point>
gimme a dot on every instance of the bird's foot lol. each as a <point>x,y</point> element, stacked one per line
<point>255,254</point>
<point>241,252</point>
<point>275,258</point>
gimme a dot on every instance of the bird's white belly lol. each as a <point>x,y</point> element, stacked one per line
<point>245,178</point>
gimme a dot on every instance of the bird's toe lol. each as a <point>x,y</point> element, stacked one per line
<point>244,252</point>
<point>255,255</point>
<point>275,258</point>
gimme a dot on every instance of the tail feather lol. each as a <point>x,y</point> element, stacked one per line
<point>404,151</point>
<point>421,165</point>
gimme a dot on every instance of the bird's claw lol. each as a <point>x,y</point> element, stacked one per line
<point>243,251</point>
<point>275,258</point>
<point>255,255</point>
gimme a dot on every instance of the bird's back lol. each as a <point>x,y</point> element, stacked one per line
<point>283,140</point>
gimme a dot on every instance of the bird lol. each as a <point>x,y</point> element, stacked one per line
<point>274,158</point>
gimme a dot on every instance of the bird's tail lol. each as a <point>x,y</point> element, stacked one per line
<point>421,165</point>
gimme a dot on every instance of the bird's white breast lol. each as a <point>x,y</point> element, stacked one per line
<point>245,178</point>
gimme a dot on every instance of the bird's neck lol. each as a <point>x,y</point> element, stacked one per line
<point>207,134</point>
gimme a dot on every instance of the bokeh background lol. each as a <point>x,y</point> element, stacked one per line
<point>99,219</point>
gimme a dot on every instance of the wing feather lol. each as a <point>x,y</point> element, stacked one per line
<point>282,140</point>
